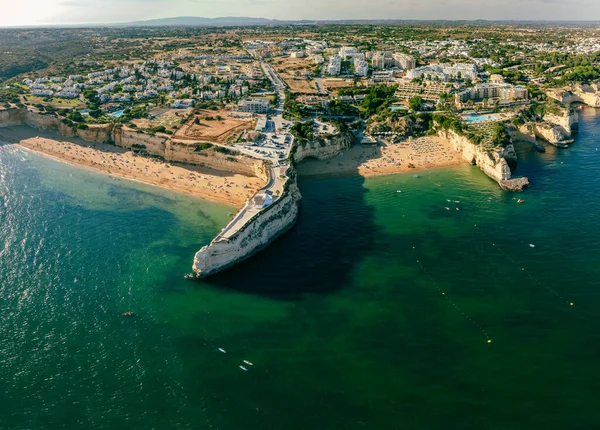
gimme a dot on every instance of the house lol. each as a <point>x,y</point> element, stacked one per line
<point>183,104</point>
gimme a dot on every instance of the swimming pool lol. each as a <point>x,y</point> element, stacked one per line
<point>117,114</point>
<point>481,118</point>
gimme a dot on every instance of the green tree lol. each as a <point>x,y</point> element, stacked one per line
<point>415,103</point>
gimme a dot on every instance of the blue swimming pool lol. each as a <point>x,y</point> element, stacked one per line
<point>117,114</point>
<point>481,118</point>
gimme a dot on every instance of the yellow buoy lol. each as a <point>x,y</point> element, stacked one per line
<point>489,340</point>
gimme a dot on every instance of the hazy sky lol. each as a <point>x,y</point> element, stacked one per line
<point>32,12</point>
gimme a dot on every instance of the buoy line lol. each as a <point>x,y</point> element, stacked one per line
<point>458,308</point>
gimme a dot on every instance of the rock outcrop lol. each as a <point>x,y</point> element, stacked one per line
<point>322,149</point>
<point>493,162</point>
<point>254,235</point>
<point>579,93</point>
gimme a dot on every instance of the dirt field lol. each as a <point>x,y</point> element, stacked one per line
<point>57,102</point>
<point>222,128</point>
<point>171,119</point>
<point>337,83</point>
<point>289,69</point>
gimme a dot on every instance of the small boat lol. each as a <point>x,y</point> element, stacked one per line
<point>532,245</point>
<point>520,201</point>
<point>398,191</point>
<point>439,185</point>
<point>189,276</point>
<point>248,363</point>
<point>128,314</point>
<point>222,350</point>
<point>416,176</point>
<point>447,208</point>
<point>243,368</point>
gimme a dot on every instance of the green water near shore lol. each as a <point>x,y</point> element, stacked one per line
<point>375,311</point>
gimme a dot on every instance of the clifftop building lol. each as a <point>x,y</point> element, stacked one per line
<point>492,91</point>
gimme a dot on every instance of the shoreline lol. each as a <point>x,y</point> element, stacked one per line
<point>209,184</point>
<point>424,153</point>
<point>356,174</point>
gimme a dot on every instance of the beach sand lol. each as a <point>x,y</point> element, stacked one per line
<point>210,184</point>
<point>423,153</point>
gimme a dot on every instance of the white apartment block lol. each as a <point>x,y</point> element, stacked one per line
<point>348,51</point>
<point>444,71</point>
<point>335,65</point>
<point>382,60</point>
<point>492,91</point>
<point>253,106</point>
<point>407,62</point>
<point>361,67</point>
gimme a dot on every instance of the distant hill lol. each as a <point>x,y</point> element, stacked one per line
<point>232,21</point>
<point>192,21</point>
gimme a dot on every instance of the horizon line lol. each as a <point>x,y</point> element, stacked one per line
<point>276,21</point>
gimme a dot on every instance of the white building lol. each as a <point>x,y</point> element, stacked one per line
<point>254,106</point>
<point>444,71</point>
<point>297,54</point>
<point>335,65</point>
<point>492,91</point>
<point>348,51</point>
<point>407,62</point>
<point>361,67</point>
<point>183,104</point>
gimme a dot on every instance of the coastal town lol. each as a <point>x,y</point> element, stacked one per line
<point>236,110</point>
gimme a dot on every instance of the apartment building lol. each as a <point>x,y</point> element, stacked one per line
<point>361,67</point>
<point>492,91</point>
<point>405,61</point>
<point>383,60</point>
<point>254,106</point>
<point>335,65</point>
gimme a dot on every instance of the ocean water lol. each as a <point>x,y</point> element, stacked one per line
<point>380,309</point>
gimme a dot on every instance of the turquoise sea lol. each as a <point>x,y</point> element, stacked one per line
<point>381,309</point>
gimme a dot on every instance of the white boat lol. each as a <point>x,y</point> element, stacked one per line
<point>222,350</point>
<point>247,362</point>
<point>243,368</point>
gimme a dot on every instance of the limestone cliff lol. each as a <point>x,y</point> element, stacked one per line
<point>493,162</point>
<point>579,93</point>
<point>322,149</point>
<point>94,133</point>
<point>253,236</point>
<point>551,134</point>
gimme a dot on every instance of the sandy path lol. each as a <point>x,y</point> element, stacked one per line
<point>202,182</point>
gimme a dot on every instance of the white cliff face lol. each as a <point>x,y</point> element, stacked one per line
<point>566,123</point>
<point>494,163</point>
<point>551,134</point>
<point>322,150</point>
<point>252,237</point>
<point>491,162</point>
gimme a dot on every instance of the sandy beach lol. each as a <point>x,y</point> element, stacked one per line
<point>423,153</point>
<point>224,187</point>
